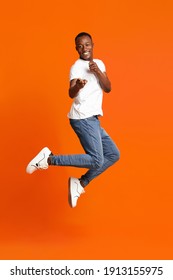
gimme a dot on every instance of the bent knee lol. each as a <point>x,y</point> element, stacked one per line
<point>115,157</point>
<point>98,163</point>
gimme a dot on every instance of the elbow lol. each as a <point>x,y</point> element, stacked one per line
<point>70,94</point>
<point>107,87</point>
<point>107,90</point>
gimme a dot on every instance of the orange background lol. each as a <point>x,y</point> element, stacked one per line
<point>127,212</point>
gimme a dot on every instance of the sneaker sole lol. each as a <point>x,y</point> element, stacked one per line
<point>69,193</point>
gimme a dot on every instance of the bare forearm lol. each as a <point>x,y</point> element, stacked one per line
<point>104,81</point>
<point>73,91</point>
<point>102,76</point>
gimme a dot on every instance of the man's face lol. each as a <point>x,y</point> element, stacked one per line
<point>84,47</point>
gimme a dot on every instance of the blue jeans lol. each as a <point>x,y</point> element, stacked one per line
<point>100,151</point>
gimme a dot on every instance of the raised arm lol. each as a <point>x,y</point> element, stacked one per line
<point>102,76</point>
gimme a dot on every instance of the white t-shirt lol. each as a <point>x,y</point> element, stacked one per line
<point>88,102</point>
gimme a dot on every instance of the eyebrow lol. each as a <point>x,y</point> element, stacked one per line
<point>87,42</point>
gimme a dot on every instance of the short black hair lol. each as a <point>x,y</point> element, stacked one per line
<point>82,34</point>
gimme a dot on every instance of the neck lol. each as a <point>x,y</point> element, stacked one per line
<point>90,59</point>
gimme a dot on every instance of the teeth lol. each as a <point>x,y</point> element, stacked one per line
<point>86,53</point>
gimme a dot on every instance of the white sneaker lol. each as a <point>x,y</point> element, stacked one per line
<point>39,162</point>
<point>75,190</point>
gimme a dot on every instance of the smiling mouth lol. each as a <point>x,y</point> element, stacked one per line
<point>85,53</point>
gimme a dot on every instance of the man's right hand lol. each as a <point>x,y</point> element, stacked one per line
<point>81,83</point>
<point>75,86</point>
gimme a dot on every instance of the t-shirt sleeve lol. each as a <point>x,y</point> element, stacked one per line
<point>101,65</point>
<point>74,72</point>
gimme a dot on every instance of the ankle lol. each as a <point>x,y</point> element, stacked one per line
<point>49,160</point>
<point>82,184</point>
